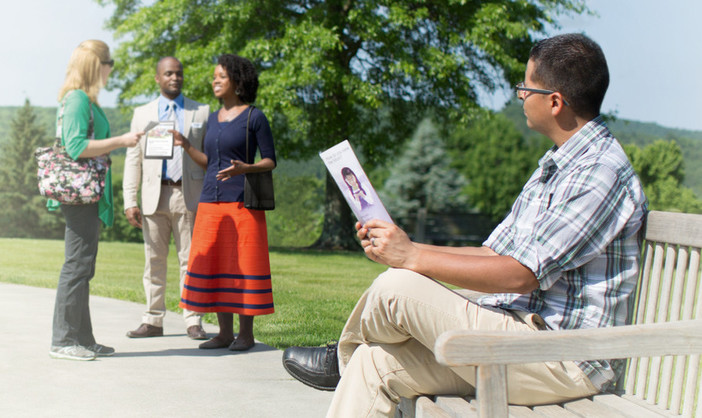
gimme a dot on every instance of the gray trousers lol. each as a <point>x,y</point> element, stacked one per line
<point>72,324</point>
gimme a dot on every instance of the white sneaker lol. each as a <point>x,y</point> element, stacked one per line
<point>101,350</point>
<point>72,352</point>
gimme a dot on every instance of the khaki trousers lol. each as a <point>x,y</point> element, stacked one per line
<point>385,350</point>
<point>171,217</point>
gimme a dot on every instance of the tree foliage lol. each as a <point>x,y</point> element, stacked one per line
<point>496,160</point>
<point>24,212</point>
<point>421,177</point>
<point>329,70</point>
<point>661,169</point>
<point>297,218</point>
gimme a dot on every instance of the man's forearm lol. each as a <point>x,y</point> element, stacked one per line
<point>481,251</point>
<point>486,272</point>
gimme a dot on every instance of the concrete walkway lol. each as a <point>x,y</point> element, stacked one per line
<point>153,377</point>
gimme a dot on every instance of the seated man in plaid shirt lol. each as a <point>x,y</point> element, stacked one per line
<point>565,257</point>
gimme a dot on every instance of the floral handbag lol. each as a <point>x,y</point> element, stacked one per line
<point>71,182</point>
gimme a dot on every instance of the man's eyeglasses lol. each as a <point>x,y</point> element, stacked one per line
<point>521,90</point>
<point>111,63</point>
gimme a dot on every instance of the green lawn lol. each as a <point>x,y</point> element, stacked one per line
<point>313,291</point>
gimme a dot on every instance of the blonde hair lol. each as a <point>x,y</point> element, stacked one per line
<point>84,69</point>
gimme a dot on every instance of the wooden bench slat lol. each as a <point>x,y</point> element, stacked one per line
<point>456,406</point>
<point>661,369</point>
<point>639,311</point>
<point>674,388</point>
<point>590,409</point>
<point>653,408</point>
<point>693,387</point>
<point>625,406</point>
<point>516,411</point>
<point>426,408</point>
<point>675,228</point>
<point>553,411</point>
<point>649,306</point>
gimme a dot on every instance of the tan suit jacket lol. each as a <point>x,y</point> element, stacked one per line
<point>148,171</point>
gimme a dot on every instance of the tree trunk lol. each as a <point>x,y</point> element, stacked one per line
<point>338,232</point>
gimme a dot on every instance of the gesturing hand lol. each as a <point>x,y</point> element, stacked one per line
<point>237,168</point>
<point>131,139</point>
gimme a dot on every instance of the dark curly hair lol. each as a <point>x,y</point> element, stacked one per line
<point>242,72</point>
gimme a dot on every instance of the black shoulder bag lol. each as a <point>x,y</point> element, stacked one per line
<point>258,187</point>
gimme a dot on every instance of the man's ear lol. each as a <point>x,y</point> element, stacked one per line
<point>557,103</point>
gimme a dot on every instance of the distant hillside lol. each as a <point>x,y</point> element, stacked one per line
<point>640,134</point>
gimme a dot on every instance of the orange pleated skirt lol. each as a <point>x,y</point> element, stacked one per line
<point>228,268</point>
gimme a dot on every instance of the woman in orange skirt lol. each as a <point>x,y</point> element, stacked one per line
<point>228,268</point>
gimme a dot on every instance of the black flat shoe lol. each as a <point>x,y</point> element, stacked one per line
<point>215,343</point>
<point>238,346</point>
<point>317,367</point>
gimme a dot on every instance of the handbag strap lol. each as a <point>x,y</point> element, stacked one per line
<point>59,122</point>
<point>248,119</point>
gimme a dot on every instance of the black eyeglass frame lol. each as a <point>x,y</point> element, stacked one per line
<point>111,63</point>
<point>520,87</point>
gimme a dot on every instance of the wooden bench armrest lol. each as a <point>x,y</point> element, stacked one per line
<point>462,348</point>
<point>492,351</point>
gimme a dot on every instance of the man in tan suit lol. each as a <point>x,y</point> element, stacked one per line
<point>170,190</point>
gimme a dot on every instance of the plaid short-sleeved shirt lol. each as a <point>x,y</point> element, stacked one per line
<point>576,226</point>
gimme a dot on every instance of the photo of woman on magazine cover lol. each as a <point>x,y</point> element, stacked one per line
<point>356,190</point>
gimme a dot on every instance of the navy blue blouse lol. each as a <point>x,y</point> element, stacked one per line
<point>226,141</point>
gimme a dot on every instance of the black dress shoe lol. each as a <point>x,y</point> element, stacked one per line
<point>314,366</point>
<point>146,330</point>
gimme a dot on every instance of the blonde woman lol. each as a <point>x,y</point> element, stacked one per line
<point>88,69</point>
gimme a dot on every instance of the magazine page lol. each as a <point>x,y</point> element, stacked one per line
<point>349,176</point>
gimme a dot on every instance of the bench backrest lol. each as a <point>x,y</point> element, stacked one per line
<point>669,290</point>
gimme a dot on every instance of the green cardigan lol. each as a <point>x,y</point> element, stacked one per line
<point>76,118</point>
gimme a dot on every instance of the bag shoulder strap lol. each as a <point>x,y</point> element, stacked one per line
<point>248,119</point>
<point>59,121</point>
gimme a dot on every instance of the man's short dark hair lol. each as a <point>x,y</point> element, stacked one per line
<point>158,64</point>
<point>243,73</point>
<point>575,66</point>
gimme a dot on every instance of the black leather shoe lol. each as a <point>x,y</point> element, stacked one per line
<point>195,332</point>
<point>145,331</point>
<point>314,366</point>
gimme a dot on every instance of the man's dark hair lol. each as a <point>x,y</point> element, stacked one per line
<point>242,72</point>
<point>158,64</point>
<point>575,66</point>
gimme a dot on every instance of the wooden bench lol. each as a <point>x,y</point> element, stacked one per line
<point>663,344</point>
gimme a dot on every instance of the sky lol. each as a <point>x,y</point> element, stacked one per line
<point>653,49</point>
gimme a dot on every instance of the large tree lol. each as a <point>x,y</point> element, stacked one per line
<point>24,212</point>
<point>421,177</point>
<point>365,70</point>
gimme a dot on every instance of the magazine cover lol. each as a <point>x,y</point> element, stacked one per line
<point>349,176</point>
